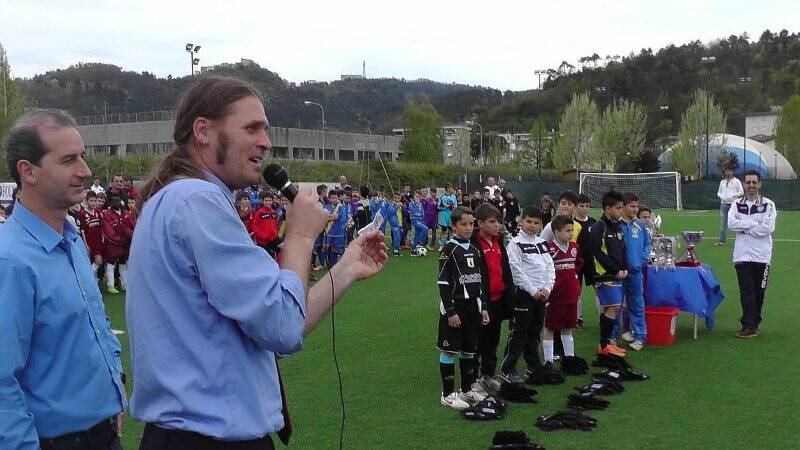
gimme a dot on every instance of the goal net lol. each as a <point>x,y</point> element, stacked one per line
<point>656,190</point>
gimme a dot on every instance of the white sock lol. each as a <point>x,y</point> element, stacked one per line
<point>109,275</point>
<point>547,348</point>
<point>94,269</point>
<point>123,275</point>
<point>569,344</point>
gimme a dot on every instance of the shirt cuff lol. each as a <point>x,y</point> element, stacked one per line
<point>290,282</point>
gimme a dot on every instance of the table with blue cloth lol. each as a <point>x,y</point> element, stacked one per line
<point>691,289</point>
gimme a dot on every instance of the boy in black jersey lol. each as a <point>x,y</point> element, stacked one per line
<point>462,311</point>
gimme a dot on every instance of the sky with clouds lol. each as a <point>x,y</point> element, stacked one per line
<point>497,44</point>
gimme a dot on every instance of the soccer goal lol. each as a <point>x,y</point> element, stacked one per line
<point>656,190</point>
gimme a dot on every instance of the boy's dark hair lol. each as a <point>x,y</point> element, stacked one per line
<point>568,196</point>
<point>448,186</point>
<point>459,212</point>
<point>629,197</point>
<point>242,195</point>
<point>559,222</point>
<point>381,189</point>
<point>264,194</point>
<point>754,173</point>
<point>643,208</point>
<point>532,212</point>
<point>611,198</point>
<point>321,188</point>
<point>485,190</point>
<point>582,198</point>
<point>348,188</point>
<point>91,194</point>
<point>486,211</point>
<point>364,191</point>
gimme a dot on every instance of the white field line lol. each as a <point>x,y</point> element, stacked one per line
<point>773,240</point>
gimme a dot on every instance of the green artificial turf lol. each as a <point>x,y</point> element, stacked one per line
<point>718,392</point>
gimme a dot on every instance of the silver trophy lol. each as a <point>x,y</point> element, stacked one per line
<point>692,238</point>
<point>663,252</point>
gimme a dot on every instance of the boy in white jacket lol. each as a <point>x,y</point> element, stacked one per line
<point>534,275</point>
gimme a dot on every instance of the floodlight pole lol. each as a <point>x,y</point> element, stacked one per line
<point>308,103</point>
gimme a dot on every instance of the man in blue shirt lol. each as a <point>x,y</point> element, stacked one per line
<point>205,334</point>
<point>60,372</point>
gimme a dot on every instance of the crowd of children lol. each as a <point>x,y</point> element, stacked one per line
<point>534,281</point>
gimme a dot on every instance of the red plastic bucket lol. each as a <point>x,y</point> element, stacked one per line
<point>661,324</point>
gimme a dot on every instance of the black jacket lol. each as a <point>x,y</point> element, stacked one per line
<point>507,300</point>
<point>606,253</point>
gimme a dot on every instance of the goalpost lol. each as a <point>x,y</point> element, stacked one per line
<point>656,190</point>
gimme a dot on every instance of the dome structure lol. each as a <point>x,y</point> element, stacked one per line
<point>752,155</point>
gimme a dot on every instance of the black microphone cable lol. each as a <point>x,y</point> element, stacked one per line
<point>336,360</point>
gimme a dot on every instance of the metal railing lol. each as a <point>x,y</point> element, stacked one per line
<point>147,116</point>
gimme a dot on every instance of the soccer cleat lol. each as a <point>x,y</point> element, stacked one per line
<point>512,376</point>
<point>719,244</point>
<point>454,401</point>
<point>479,388</point>
<point>112,290</point>
<point>490,384</point>
<point>395,252</point>
<point>628,337</point>
<point>609,350</point>
<point>616,350</point>
<point>746,333</point>
<point>471,397</point>
<point>636,345</point>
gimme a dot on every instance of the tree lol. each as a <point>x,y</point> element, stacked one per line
<point>727,160</point>
<point>422,138</point>
<point>787,130</point>
<point>11,104</point>
<point>689,156</point>
<point>646,162</point>
<point>577,128</point>
<point>620,139</point>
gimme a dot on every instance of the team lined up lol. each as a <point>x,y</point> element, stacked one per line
<point>534,281</point>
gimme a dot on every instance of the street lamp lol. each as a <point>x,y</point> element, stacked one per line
<point>540,72</point>
<point>707,60</point>
<point>308,103</point>
<point>480,151</point>
<point>745,80</point>
<point>192,50</point>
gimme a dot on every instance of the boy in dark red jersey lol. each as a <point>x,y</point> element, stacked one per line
<point>92,231</point>
<point>117,233</point>
<point>264,224</point>
<point>562,307</point>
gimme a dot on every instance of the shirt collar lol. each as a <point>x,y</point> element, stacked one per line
<point>210,177</point>
<point>46,235</point>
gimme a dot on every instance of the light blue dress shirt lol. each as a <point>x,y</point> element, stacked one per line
<point>207,310</point>
<point>60,369</point>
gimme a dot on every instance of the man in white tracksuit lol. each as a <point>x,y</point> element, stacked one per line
<point>752,217</point>
<point>730,188</point>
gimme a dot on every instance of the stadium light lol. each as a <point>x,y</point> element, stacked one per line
<point>189,47</point>
<point>540,72</point>
<point>192,50</point>
<point>707,60</point>
<point>664,108</point>
<point>308,103</point>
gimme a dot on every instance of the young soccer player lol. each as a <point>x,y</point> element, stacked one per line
<point>511,214</point>
<point>461,311</point>
<point>92,230</point>
<point>379,204</point>
<point>562,307</point>
<point>565,207</point>
<point>498,285</point>
<point>609,267</point>
<point>637,249</point>
<point>335,234</point>
<point>394,211</point>
<point>581,215</point>
<point>447,202</point>
<point>429,201</point>
<point>117,233</point>
<point>533,274</point>
<point>416,213</point>
<point>264,224</point>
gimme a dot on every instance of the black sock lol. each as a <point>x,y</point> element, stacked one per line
<point>606,328</point>
<point>448,372</point>
<point>468,374</point>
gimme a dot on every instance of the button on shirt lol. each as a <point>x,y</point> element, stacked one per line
<point>207,310</point>
<point>60,369</point>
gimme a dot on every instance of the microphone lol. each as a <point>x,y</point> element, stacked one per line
<point>276,176</point>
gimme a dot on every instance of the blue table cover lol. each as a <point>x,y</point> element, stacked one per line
<point>691,289</point>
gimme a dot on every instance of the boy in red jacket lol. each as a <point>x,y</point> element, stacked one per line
<point>264,224</point>
<point>117,233</point>
<point>91,229</point>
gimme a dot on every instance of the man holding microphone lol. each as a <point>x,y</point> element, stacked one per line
<point>205,334</point>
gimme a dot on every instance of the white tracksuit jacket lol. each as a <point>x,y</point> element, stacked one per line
<point>531,263</point>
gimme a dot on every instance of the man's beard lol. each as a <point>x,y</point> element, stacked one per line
<point>221,151</point>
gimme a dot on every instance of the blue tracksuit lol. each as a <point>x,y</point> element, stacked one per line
<point>394,222</point>
<point>335,236</point>
<point>637,248</point>
<point>382,206</point>
<point>417,218</point>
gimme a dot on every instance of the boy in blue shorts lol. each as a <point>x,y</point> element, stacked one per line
<point>336,229</point>
<point>608,263</point>
<point>447,202</point>
<point>416,215</point>
<point>394,215</point>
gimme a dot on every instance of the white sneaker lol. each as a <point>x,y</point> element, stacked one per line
<point>454,401</point>
<point>490,383</point>
<point>471,397</point>
<point>628,337</point>
<point>636,345</point>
